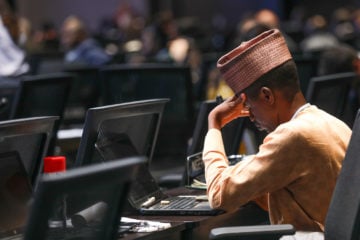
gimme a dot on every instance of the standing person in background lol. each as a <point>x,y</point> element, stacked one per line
<point>12,57</point>
<point>293,174</point>
<point>79,47</point>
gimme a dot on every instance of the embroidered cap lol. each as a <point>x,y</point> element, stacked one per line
<point>251,59</point>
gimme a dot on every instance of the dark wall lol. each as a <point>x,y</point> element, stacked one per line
<point>92,11</point>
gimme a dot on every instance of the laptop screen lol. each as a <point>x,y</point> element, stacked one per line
<point>144,187</point>
<point>120,130</point>
<point>127,136</point>
<point>15,194</point>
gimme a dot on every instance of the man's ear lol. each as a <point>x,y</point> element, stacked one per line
<point>267,95</point>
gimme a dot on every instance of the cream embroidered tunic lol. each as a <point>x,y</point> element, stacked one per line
<point>295,169</point>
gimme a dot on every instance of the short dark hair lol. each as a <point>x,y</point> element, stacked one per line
<point>283,77</point>
<point>336,60</point>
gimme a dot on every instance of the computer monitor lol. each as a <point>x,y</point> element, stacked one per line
<point>103,189</point>
<point>120,130</point>
<point>30,138</point>
<point>42,95</point>
<point>84,93</point>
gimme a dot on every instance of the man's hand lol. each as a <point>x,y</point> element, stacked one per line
<point>227,111</point>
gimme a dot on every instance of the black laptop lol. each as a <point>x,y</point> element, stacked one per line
<point>146,196</point>
<point>116,140</point>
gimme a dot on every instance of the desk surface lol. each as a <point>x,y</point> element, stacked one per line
<point>198,227</point>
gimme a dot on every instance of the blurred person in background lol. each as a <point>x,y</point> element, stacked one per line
<point>343,59</point>
<point>339,59</point>
<point>12,57</point>
<point>317,35</point>
<point>271,19</point>
<point>79,47</point>
<point>46,38</point>
<point>342,26</point>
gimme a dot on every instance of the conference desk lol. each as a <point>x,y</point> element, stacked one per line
<point>197,227</point>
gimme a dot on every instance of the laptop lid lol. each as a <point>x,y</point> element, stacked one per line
<point>108,126</point>
<point>15,194</point>
<point>144,188</point>
<point>147,197</point>
<point>133,134</point>
<point>30,137</point>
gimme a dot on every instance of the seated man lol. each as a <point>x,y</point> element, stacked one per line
<point>295,169</point>
<point>79,47</point>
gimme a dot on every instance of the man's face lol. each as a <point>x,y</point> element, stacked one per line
<point>261,114</point>
<point>68,37</point>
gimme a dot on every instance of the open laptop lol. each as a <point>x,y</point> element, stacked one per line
<point>15,195</point>
<point>146,196</point>
<point>115,141</point>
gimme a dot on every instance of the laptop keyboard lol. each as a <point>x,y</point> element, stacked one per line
<point>176,203</point>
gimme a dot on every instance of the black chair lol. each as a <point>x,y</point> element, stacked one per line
<point>306,65</point>
<point>84,93</point>
<point>123,83</point>
<point>342,220</point>
<point>106,186</point>
<point>332,93</point>
<point>46,62</point>
<point>8,89</point>
<point>42,95</point>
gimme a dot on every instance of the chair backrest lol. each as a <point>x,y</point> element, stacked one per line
<point>120,130</point>
<point>306,65</point>
<point>8,89</point>
<point>46,62</point>
<point>331,93</point>
<point>43,95</point>
<point>122,83</point>
<point>103,189</point>
<point>343,218</point>
<point>84,93</point>
<point>30,138</point>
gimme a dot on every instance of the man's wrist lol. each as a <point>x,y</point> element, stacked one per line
<point>213,121</point>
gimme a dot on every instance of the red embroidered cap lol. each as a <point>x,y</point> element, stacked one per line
<point>251,59</point>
